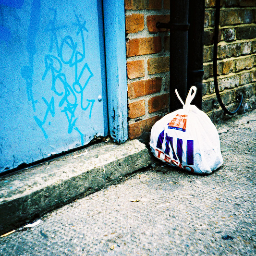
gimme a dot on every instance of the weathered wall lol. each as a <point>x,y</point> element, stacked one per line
<point>236,55</point>
<point>148,59</point>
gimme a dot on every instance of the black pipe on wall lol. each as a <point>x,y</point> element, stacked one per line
<point>195,48</point>
<point>186,49</point>
<point>179,26</point>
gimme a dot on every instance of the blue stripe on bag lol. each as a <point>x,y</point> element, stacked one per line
<point>179,149</point>
<point>190,152</point>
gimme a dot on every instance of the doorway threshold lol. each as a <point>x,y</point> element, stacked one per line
<point>25,196</point>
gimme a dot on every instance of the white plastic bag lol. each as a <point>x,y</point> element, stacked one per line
<point>187,138</point>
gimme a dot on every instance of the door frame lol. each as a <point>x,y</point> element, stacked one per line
<point>115,52</point>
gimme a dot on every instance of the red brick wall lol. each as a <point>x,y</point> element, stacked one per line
<point>148,59</point>
<point>147,63</point>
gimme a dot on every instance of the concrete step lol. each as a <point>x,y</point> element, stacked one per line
<point>30,193</point>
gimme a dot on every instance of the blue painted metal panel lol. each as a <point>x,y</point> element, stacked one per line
<point>52,78</point>
<point>114,27</point>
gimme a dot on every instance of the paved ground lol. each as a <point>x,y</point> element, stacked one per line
<point>32,192</point>
<point>159,211</point>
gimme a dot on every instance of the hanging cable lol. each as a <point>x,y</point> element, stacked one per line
<point>215,64</point>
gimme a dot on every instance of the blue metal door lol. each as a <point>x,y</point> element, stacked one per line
<point>52,78</point>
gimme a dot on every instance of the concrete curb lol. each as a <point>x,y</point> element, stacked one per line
<point>27,195</point>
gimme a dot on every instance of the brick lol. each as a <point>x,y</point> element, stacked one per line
<point>228,67</point>
<point>244,63</point>
<point>229,50</point>
<point>237,16</point>
<point>222,51</point>
<point>248,16</point>
<point>144,87</point>
<point>208,53</point>
<point>142,46</point>
<point>158,65</point>
<point>136,129</point>
<point>205,88</point>
<point>220,68</point>
<point>253,46</point>
<point>212,24</point>
<point>209,103</point>
<point>230,17</point>
<point>137,109</point>
<point>245,78</point>
<point>234,50</point>
<point>229,3</point>
<point>208,70</point>
<point>247,90</point>
<point>158,103</point>
<point>228,82</point>
<point>211,87</point>
<point>134,4</point>
<point>246,48</point>
<point>154,5</point>
<point>226,97</point>
<point>212,103</point>
<point>207,19</point>
<point>153,19</point>
<point>135,69</point>
<point>247,3</point>
<point>209,37</point>
<point>210,3</point>
<point>253,76</point>
<point>134,23</point>
<point>246,32</point>
<point>229,34</point>
<point>143,4</point>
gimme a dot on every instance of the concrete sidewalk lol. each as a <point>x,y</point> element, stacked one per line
<point>28,194</point>
<point>159,210</point>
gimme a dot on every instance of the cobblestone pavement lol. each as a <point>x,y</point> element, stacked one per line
<point>160,211</point>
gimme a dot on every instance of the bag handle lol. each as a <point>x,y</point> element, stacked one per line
<point>191,95</point>
<point>178,96</point>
